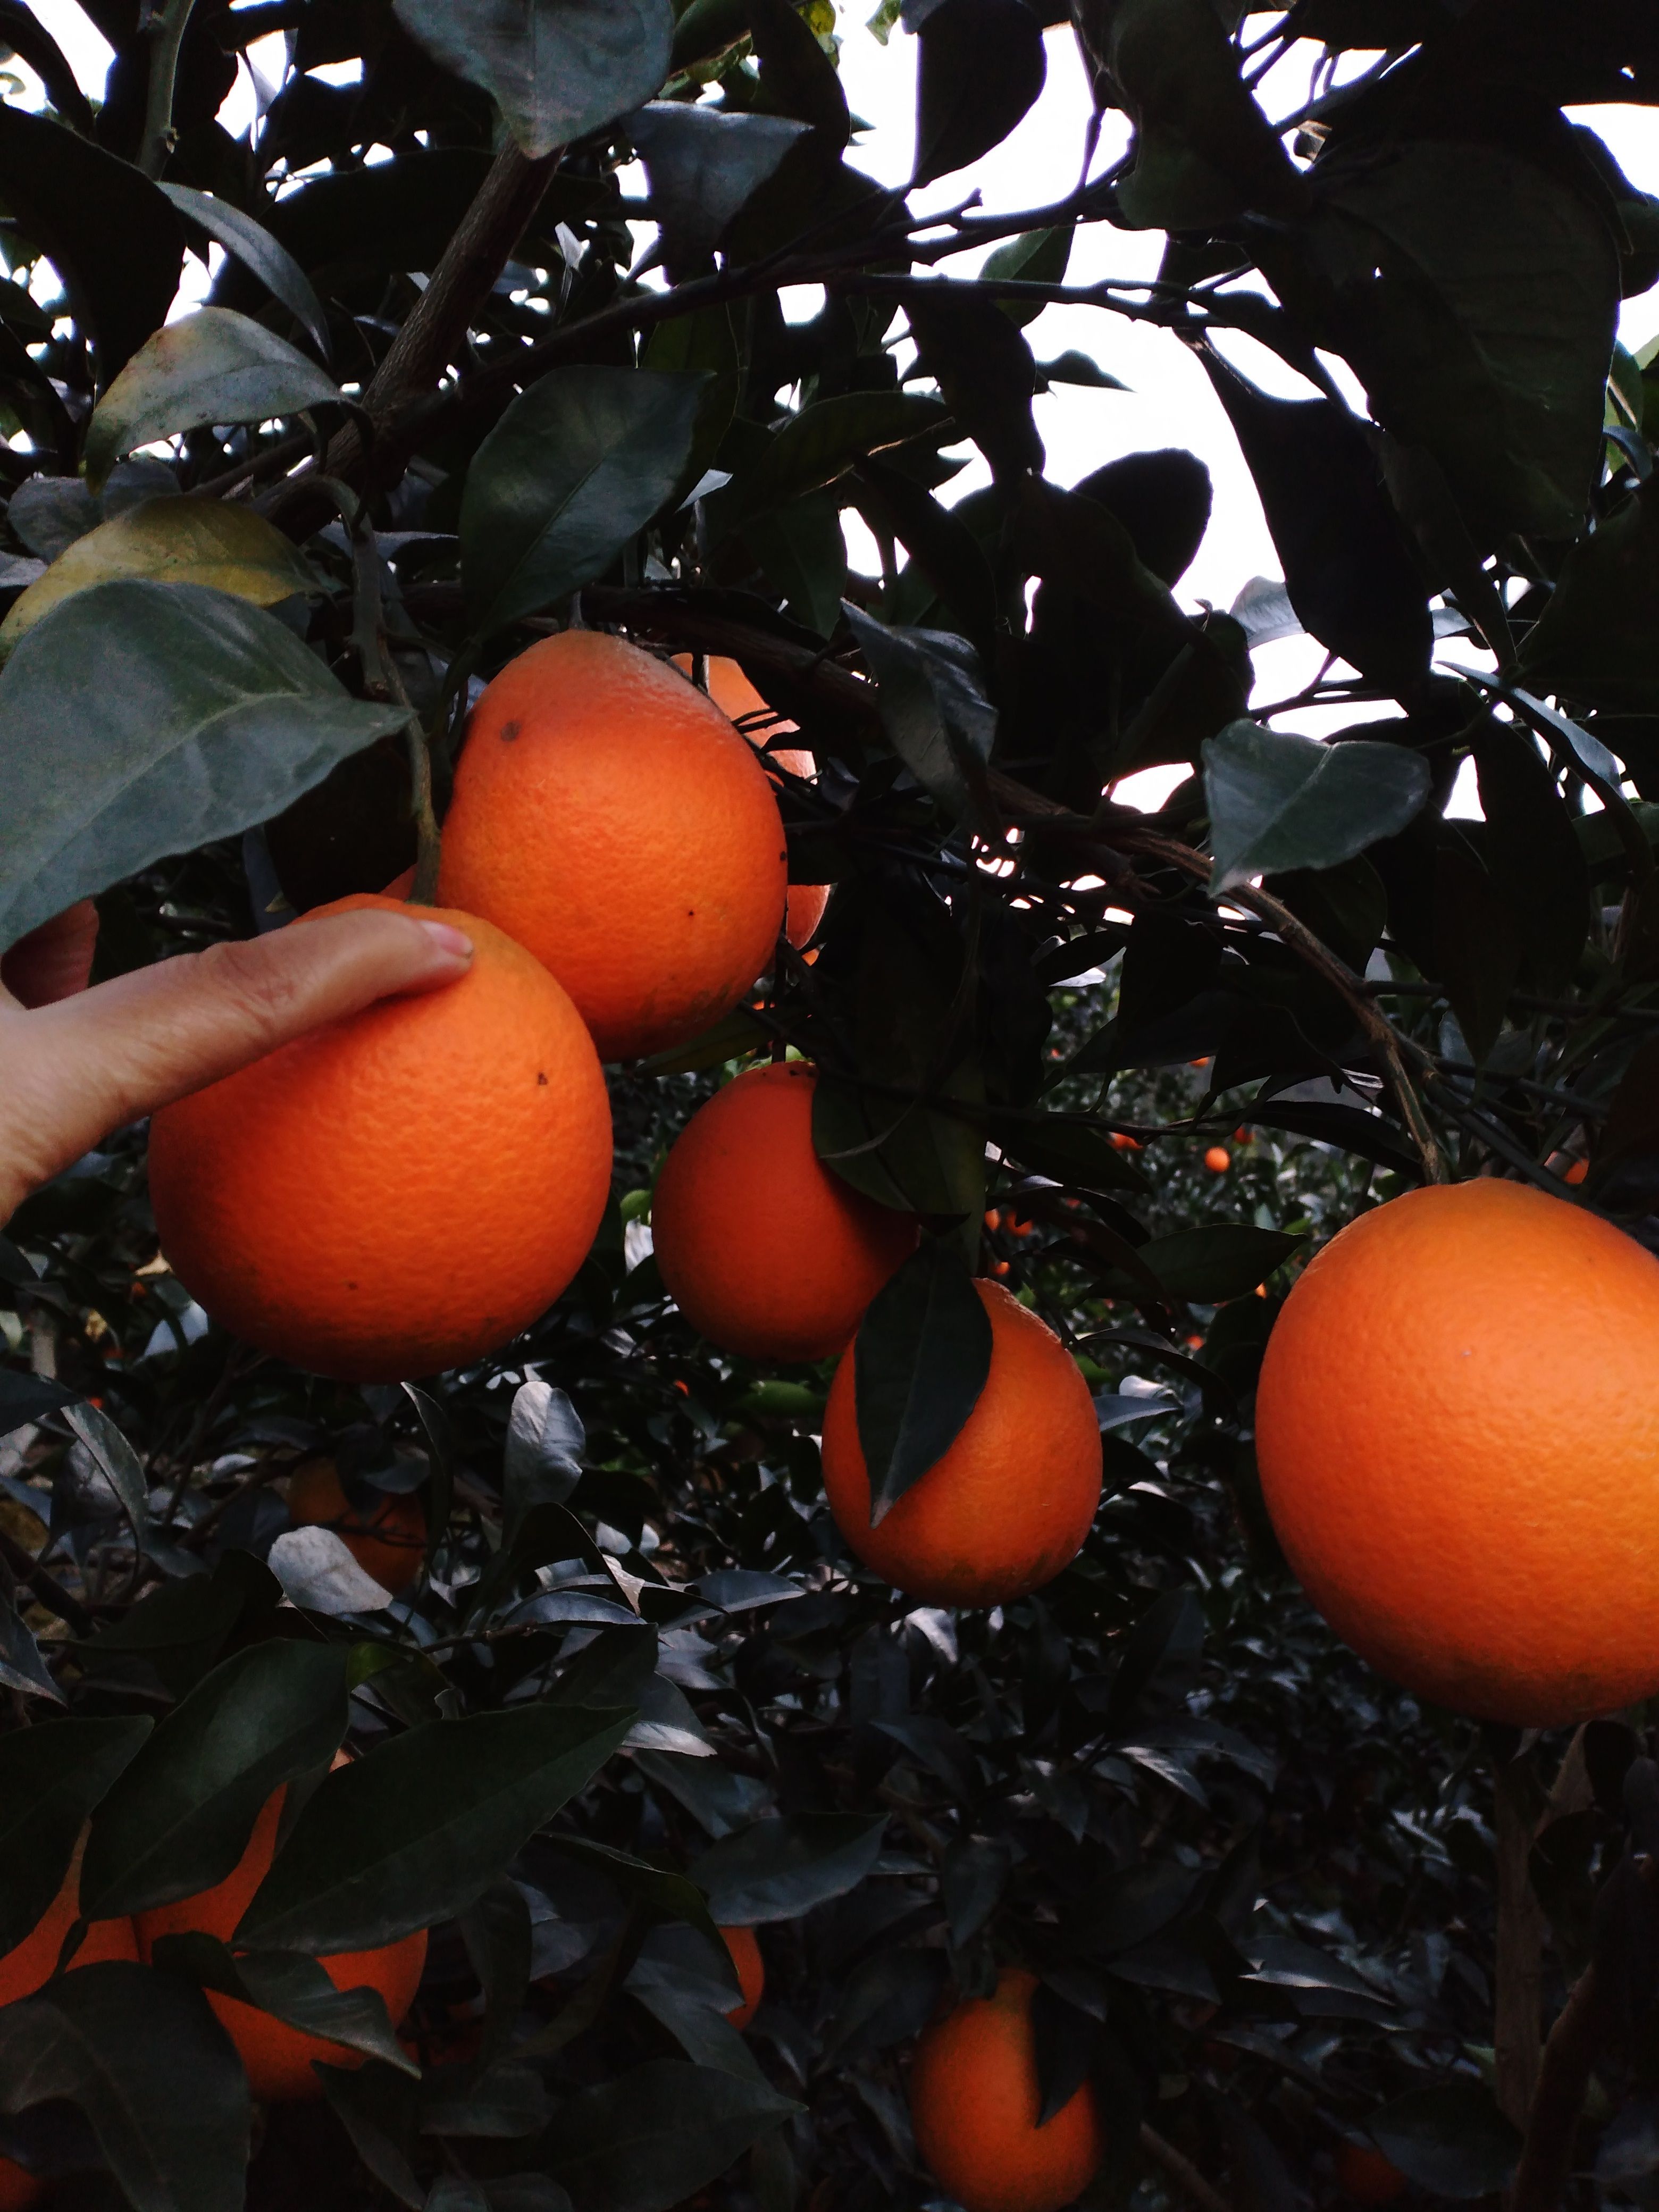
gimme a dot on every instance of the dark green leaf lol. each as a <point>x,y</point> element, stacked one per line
<point>654,1891</point>
<point>985,370</point>
<point>658,2134</point>
<point>213,365</point>
<point>290,1988</point>
<point>109,231</point>
<point>1074,1152</point>
<point>1597,639</point>
<point>254,246</point>
<point>557,68</point>
<point>1451,2140</point>
<point>821,443</point>
<point>981,66</point>
<point>1221,1260</point>
<point>1204,152</point>
<point>778,1869</point>
<point>117,1461</point>
<point>28,1397</point>
<point>703,164</point>
<point>118,2040</point>
<point>1347,571</point>
<point>939,543</point>
<point>1278,801</point>
<point>1478,946</point>
<point>579,462</point>
<point>803,556</point>
<point>51,1778</point>
<point>1163,498</point>
<point>1038,257</point>
<point>972,1877</point>
<point>179,1817</point>
<point>923,1353</point>
<point>141,719</point>
<point>1534,857</point>
<point>22,1666</point>
<point>417,1831</point>
<point>543,1461</point>
<point>934,706</point>
<point>1476,294</point>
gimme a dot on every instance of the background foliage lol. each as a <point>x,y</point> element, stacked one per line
<point>266,551</point>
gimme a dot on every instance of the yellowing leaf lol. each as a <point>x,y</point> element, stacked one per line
<point>171,541</point>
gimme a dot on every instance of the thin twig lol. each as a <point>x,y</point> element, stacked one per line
<point>50,1593</point>
<point>1177,2167</point>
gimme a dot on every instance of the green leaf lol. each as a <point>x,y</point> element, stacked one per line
<point>557,68</point>
<point>179,1818</point>
<point>22,1666</point>
<point>117,1463</point>
<point>108,230</point>
<point>981,67</point>
<point>1074,367</point>
<point>171,541</point>
<point>256,249</point>
<point>1221,1260</point>
<point>119,2041</point>
<point>658,2134</point>
<point>291,1988</point>
<point>1035,257</point>
<point>1074,1152</point>
<point>417,1831</point>
<point>932,707</point>
<point>213,366</point>
<point>1278,801</point>
<point>1597,639</point>
<point>703,164</point>
<point>922,1355</point>
<point>803,556</point>
<point>140,719</point>
<point>51,1778</point>
<point>1451,2140</point>
<point>1204,152</point>
<point>780,1869</point>
<point>657,1891</point>
<point>1348,573</point>
<point>579,462</point>
<point>822,442</point>
<point>1476,294</point>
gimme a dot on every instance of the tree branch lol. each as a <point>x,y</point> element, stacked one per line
<point>1177,2167</point>
<point>467,269</point>
<point>167,32</point>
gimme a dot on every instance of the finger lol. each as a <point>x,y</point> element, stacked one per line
<point>54,961</point>
<point>74,1071</point>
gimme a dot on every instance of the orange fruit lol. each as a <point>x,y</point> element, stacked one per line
<point>277,2057</point>
<point>765,1250</point>
<point>17,2188</point>
<point>1363,2174</point>
<point>1457,1426</point>
<point>1123,1142</point>
<point>609,816</point>
<point>736,697</point>
<point>974,2103</point>
<point>398,1193</point>
<point>745,1950</point>
<point>389,1543</point>
<point>1578,1171</point>
<point>31,1963</point>
<point>1011,1500</point>
<point>1218,1159</point>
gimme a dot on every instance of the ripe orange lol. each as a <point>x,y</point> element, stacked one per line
<point>1457,1426</point>
<point>1218,1159</point>
<point>17,2188</point>
<point>736,697</point>
<point>1363,2174</point>
<point>388,1544</point>
<point>974,2100</point>
<point>32,1963</point>
<point>765,1250</point>
<point>1011,1500</point>
<point>277,2057</point>
<point>746,1951</point>
<point>398,1193</point>
<point>609,816</point>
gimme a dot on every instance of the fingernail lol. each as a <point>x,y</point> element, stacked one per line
<point>453,942</point>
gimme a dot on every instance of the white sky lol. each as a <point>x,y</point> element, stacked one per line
<point>1169,402</point>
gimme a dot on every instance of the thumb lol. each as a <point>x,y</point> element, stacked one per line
<point>71,1071</point>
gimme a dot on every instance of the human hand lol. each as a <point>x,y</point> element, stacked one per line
<point>76,1063</point>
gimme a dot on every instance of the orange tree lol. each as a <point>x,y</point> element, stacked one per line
<point>1296,1934</point>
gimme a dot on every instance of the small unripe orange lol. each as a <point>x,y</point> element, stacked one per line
<point>1218,1159</point>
